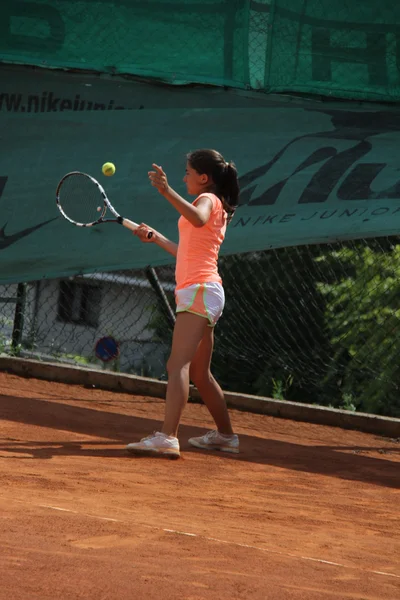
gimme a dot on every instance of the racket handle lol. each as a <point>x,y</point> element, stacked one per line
<point>133,226</point>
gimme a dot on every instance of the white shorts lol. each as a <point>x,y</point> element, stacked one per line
<point>203,299</point>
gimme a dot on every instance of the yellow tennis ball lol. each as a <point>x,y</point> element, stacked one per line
<point>108,169</point>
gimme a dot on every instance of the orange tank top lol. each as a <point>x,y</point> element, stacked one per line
<point>198,248</point>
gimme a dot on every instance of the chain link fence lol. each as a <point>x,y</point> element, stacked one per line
<point>338,49</point>
<point>62,319</point>
<point>313,324</point>
<point>342,48</point>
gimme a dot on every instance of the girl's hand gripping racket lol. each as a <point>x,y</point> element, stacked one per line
<point>83,202</point>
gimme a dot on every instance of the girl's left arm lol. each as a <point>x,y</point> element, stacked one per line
<point>197,215</point>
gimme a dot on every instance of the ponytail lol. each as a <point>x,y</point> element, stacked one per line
<point>229,189</point>
<point>224,177</point>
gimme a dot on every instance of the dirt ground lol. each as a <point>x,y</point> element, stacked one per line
<point>304,512</point>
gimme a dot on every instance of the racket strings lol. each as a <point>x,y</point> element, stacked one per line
<point>81,200</point>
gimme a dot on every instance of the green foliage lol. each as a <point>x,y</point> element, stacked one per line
<point>363,318</point>
<point>348,403</point>
<point>78,358</point>
<point>281,387</point>
<point>4,343</point>
<point>7,347</point>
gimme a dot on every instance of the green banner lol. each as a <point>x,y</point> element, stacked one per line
<point>181,42</point>
<point>335,48</point>
<point>309,172</point>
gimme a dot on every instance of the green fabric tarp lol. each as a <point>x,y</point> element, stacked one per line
<point>335,48</point>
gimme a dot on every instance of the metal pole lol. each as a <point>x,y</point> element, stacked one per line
<point>161,296</point>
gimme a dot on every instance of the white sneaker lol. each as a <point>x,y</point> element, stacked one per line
<point>156,444</point>
<point>214,440</point>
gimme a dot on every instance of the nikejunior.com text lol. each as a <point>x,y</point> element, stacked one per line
<point>50,102</point>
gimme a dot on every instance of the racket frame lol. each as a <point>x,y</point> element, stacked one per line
<point>106,204</point>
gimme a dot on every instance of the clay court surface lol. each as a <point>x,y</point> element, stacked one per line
<point>304,512</point>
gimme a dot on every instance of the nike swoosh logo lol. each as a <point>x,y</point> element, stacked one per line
<point>8,240</point>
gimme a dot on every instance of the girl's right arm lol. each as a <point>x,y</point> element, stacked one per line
<point>157,238</point>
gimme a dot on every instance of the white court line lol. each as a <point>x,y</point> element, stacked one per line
<point>75,512</point>
<point>212,539</point>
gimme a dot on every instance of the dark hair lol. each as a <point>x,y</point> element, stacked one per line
<point>223,174</point>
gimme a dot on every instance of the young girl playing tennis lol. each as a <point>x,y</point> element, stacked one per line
<point>199,298</point>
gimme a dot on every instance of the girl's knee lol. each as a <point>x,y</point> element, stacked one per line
<point>199,376</point>
<point>174,367</point>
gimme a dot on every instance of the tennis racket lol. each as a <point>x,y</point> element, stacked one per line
<point>83,202</point>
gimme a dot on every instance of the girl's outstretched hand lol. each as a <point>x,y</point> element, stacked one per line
<point>142,232</point>
<point>159,179</point>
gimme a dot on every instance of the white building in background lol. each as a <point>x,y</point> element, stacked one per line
<point>64,318</point>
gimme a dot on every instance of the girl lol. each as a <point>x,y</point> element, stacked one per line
<point>199,298</point>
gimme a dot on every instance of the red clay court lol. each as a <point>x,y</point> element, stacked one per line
<point>304,512</point>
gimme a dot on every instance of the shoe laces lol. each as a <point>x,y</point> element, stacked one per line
<point>211,435</point>
<point>151,436</point>
<point>214,436</point>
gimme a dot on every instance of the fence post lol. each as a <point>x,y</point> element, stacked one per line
<point>162,298</point>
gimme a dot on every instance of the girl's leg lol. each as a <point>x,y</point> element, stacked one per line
<point>210,391</point>
<point>188,332</point>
